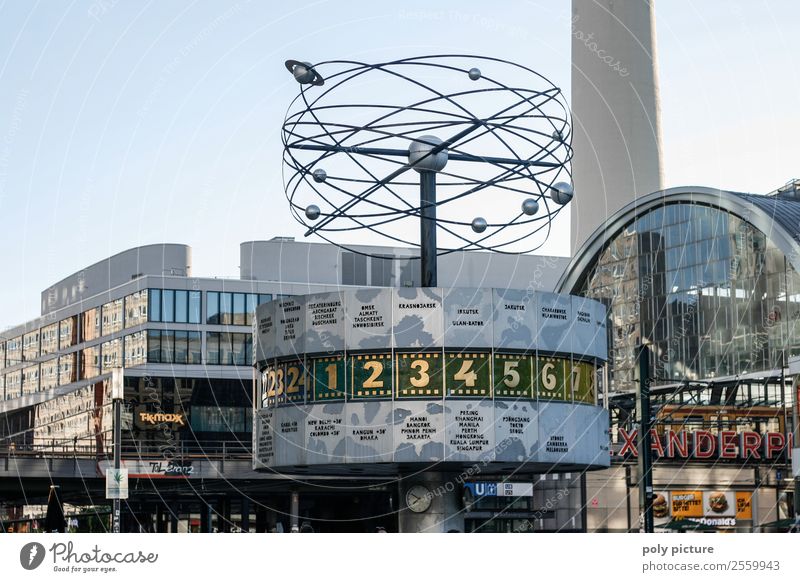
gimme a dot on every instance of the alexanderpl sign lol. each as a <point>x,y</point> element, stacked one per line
<point>703,444</point>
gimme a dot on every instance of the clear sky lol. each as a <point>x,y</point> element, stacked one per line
<point>128,122</point>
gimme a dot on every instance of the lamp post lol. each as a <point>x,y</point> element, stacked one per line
<point>643,439</point>
<point>117,394</point>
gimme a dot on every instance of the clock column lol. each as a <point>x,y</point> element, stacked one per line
<point>431,501</point>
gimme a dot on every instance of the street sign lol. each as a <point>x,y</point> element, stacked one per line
<point>116,483</point>
<point>482,489</point>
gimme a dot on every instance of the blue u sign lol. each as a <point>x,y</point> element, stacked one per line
<point>483,489</point>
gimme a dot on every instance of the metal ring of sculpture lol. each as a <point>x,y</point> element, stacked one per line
<point>496,144</point>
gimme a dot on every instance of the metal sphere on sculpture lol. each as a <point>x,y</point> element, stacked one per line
<point>304,72</point>
<point>530,207</point>
<point>421,158</point>
<point>312,212</point>
<point>421,144</point>
<point>479,224</point>
<point>561,193</point>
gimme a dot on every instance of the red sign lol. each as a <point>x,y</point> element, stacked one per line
<point>702,444</point>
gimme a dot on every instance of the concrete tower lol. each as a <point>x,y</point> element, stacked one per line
<point>615,107</point>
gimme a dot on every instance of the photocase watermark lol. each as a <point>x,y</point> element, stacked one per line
<point>66,558</point>
<point>590,42</point>
<point>31,555</point>
<point>550,504</point>
<point>99,8</point>
<point>7,142</point>
<point>177,61</point>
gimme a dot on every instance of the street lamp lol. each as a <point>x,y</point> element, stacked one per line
<point>643,439</point>
<point>117,394</point>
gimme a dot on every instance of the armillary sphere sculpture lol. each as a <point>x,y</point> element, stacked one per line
<point>370,147</point>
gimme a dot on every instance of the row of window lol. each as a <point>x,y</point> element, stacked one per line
<point>147,305</point>
<point>151,346</point>
<point>224,308</point>
<point>174,306</point>
<point>173,347</point>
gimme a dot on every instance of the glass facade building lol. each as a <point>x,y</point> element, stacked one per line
<point>692,275</point>
<point>709,280</point>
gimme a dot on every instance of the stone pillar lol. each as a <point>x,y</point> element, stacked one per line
<point>205,517</point>
<point>245,514</point>
<point>294,512</point>
<point>445,513</point>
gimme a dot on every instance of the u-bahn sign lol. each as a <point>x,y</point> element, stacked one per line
<point>421,375</point>
<point>705,445</point>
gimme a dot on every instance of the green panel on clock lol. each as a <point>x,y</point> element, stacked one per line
<point>551,379</point>
<point>513,376</point>
<point>371,376</point>
<point>294,379</point>
<point>418,375</point>
<point>468,375</point>
<point>329,384</point>
<point>583,382</point>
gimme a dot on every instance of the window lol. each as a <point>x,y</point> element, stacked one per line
<point>14,351</point>
<point>382,271</point>
<point>168,305</point>
<point>181,347</point>
<point>30,379</point>
<point>49,374</point>
<point>153,346</point>
<point>225,349</point>
<point>112,354</point>
<point>90,324</point>
<point>90,362</point>
<point>13,384</point>
<point>194,306</point>
<point>264,298</point>
<point>2,358</point>
<point>68,332</point>
<point>30,346</point>
<point>167,347</point>
<point>212,307</point>
<point>135,349</point>
<point>112,317</point>
<point>229,349</point>
<point>252,301</point>
<point>67,370</point>
<point>155,304</point>
<point>181,307</point>
<point>174,306</point>
<point>225,419</point>
<point>354,269</point>
<point>212,348</point>
<point>49,339</point>
<point>195,351</point>
<point>136,309</point>
<point>239,309</point>
<point>178,347</point>
<point>225,308</point>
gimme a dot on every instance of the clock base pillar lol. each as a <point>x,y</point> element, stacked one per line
<point>446,512</point>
